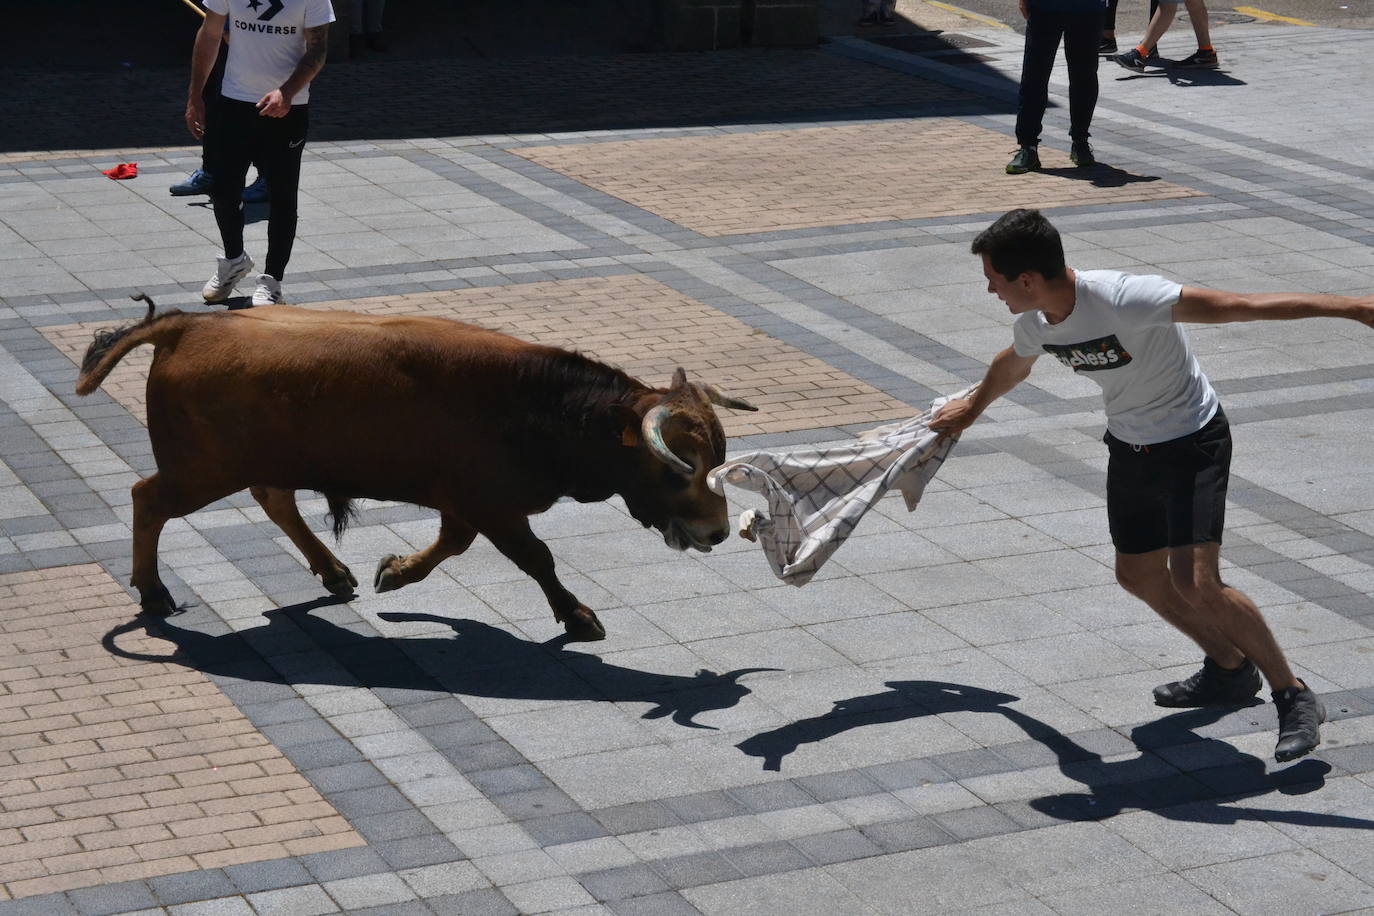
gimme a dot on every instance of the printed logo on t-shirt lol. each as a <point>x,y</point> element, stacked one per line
<point>273,8</point>
<point>1091,355</point>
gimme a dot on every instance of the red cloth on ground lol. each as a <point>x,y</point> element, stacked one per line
<point>123,170</point>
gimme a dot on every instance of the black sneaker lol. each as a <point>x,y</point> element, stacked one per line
<point>887,19</point>
<point>1081,154</point>
<point>1107,48</point>
<point>1198,60</point>
<point>1131,60</point>
<point>1300,714</point>
<point>1025,160</point>
<point>868,19</point>
<point>1213,685</point>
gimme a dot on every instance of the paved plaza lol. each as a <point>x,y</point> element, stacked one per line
<point>953,717</point>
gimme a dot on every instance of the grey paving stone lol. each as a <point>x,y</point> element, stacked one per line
<point>696,869</point>
<point>837,846</point>
<point>485,902</point>
<point>636,817</point>
<point>253,877</point>
<point>619,883</point>
<point>189,886</point>
<point>416,851</point>
<point>344,863</point>
<point>766,858</point>
<point>705,806</point>
<point>899,836</point>
<point>563,828</point>
<point>112,898</point>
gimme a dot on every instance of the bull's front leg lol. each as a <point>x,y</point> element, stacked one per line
<point>532,555</point>
<point>455,536</point>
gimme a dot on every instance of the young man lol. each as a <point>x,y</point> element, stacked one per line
<point>276,48</point>
<point>1079,24</point>
<point>1168,440</point>
<point>1143,54</point>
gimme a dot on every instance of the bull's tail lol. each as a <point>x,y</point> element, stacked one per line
<point>111,344</point>
<point>341,512</point>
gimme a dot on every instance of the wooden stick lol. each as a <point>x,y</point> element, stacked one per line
<point>199,12</point>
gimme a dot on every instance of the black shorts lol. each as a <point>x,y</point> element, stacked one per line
<point>1171,494</point>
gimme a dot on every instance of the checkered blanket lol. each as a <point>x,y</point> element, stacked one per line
<point>817,496</point>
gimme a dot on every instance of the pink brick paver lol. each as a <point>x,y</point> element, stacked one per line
<point>110,766</point>
<point>833,176</point>
<point>634,322</point>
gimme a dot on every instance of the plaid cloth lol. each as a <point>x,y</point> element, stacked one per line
<point>817,496</point>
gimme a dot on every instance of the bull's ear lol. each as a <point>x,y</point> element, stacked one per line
<point>627,425</point>
<point>679,378</point>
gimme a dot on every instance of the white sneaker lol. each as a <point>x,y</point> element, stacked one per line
<point>227,275</point>
<point>268,291</point>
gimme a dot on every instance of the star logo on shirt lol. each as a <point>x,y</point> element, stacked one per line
<point>254,4</point>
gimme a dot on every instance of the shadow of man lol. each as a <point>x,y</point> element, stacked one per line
<point>1147,781</point>
<point>300,647</point>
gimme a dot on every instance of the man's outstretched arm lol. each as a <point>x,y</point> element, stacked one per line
<point>1212,306</point>
<point>1006,372</point>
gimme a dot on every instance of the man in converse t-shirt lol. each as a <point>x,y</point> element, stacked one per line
<point>276,47</point>
<point>1168,441</point>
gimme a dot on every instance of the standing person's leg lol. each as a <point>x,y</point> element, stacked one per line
<point>279,158</point>
<point>1166,505</point>
<point>1081,31</point>
<point>228,152</point>
<point>375,40</point>
<point>1107,46</point>
<point>1043,28</point>
<point>1205,57</point>
<point>1163,17</point>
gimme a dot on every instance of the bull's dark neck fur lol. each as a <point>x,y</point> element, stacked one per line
<point>569,418</point>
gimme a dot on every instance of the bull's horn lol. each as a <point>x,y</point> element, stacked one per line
<point>716,396</point>
<point>652,428</point>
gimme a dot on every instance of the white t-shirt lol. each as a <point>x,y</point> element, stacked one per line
<point>1121,333</point>
<point>266,41</point>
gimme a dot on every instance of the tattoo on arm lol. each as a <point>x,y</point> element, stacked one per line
<point>316,47</point>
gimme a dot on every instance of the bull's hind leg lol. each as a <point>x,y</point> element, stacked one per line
<point>532,555</point>
<point>280,506</point>
<point>155,503</point>
<point>455,536</point>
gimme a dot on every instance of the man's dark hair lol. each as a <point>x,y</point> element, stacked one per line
<point>1021,241</point>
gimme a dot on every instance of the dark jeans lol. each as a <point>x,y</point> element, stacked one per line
<point>243,136</point>
<point>1082,32</point>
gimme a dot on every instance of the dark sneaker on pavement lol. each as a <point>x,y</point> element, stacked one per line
<point>868,19</point>
<point>198,182</point>
<point>256,193</point>
<point>1300,714</point>
<point>1107,48</point>
<point>1081,154</point>
<point>1213,685</point>
<point>1131,60</point>
<point>1198,60</point>
<point>1025,160</point>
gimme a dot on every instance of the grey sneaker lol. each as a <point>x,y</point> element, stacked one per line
<point>1199,60</point>
<point>268,291</point>
<point>1300,714</point>
<point>228,273</point>
<point>1213,685</point>
<point>1027,159</point>
<point>1131,60</point>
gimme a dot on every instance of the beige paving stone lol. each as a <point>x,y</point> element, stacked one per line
<point>608,318</point>
<point>832,176</point>
<point>131,797</point>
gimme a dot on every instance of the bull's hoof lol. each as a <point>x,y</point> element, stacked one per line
<point>388,576</point>
<point>582,625</point>
<point>156,601</point>
<point>342,584</point>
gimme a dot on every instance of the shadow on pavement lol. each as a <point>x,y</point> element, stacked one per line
<point>476,660</point>
<point>85,78</point>
<point>1100,176</point>
<point>1204,793</point>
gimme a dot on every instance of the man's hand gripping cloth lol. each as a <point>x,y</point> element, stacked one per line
<point>817,496</point>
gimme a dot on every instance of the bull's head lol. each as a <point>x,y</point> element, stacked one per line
<point>678,439</point>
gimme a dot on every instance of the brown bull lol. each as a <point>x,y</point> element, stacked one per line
<point>485,428</point>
